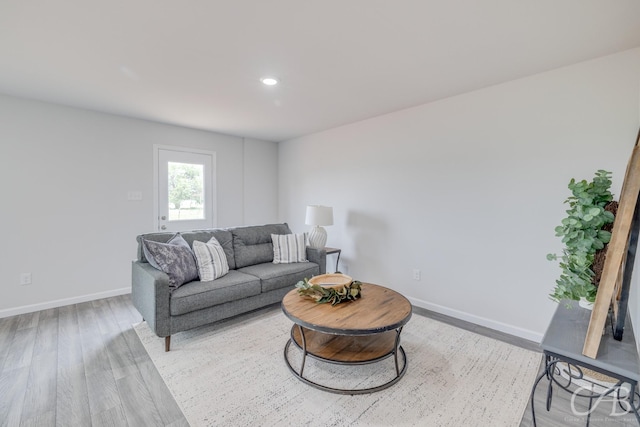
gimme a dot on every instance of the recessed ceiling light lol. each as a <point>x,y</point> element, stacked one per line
<point>269,81</point>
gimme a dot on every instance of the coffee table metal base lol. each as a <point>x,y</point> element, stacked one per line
<point>347,350</point>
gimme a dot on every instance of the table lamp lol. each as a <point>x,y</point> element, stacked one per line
<point>317,216</point>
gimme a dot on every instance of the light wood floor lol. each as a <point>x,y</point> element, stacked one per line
<point>83,365</point>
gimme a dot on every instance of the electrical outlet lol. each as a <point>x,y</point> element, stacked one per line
<point>25,278</point>
<point>416,274</point>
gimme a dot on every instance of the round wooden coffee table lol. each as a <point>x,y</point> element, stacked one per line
<point>358,332</point>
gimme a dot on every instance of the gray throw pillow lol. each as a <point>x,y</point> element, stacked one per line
<point>176,239</point>
<point>175,259</point>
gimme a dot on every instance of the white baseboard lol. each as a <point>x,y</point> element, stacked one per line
<point>498,326</point>
<point>62,302</point>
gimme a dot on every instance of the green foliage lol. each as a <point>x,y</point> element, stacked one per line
<point>185,183</point>
<point>582,234</point>
<point>322,294</point>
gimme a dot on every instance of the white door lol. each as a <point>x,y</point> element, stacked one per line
<point>185,189</point>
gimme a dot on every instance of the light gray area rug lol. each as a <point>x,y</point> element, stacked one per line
<point>234,374</point>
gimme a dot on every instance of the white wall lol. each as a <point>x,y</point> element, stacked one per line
<point>64,177</point>
<point>261,172</point>
<point>468,189</point>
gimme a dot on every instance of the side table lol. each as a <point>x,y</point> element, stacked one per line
<point>562,346</point>
<point>334,251</point>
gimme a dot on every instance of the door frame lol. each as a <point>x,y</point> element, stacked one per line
<point>156,181</point>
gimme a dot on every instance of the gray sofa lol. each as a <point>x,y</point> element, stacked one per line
<point>253,281</point>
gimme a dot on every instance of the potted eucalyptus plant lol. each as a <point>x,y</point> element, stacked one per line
<point>585,232</point>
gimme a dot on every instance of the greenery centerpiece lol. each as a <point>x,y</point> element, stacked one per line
<point>585,233</point>
<point>330,294</point>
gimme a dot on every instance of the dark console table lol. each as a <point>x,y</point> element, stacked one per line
<point>562,344</point>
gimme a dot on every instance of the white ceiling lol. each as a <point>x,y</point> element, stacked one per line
<point>197,63</point>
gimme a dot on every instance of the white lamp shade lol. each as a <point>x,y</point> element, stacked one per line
<point>319,215</point>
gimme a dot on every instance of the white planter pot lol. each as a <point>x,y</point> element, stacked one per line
<point>585,304</point>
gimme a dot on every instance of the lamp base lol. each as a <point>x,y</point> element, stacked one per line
<point>317,237</point>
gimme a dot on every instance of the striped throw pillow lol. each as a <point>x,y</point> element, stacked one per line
<point>289,248</point>
<point>211,260</point>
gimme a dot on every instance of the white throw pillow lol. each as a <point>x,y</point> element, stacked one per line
<point>289,248</point>
<point>211,260</point>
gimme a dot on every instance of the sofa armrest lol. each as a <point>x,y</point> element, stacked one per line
<point>151,296</point>
<point>319,256</point>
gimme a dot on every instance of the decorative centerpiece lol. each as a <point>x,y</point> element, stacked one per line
<point>330,288</point>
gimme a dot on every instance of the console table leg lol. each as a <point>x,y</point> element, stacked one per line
<point>545,373</point>
<point>634,408</point>
<point>547,361</point>
<point>590,408</point>
<point>549,395</point>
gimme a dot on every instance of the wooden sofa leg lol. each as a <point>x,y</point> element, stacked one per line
<point>167,343</point>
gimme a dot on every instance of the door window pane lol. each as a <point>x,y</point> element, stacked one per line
<point>186,191</point>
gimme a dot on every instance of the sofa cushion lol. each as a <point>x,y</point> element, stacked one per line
<point>197,295</point>
<point>211,260</point>
<point>224,237</point>
<point>176,260</point>
<point>252,245</point>
<point>276,276</point>
<point>288,248</point>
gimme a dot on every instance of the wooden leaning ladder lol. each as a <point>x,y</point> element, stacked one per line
<point>614,283</point>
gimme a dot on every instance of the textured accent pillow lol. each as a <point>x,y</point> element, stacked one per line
<point>176,239</point>
<point>288,248</point>
<point>211,260</point>
<point>175,259</point>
